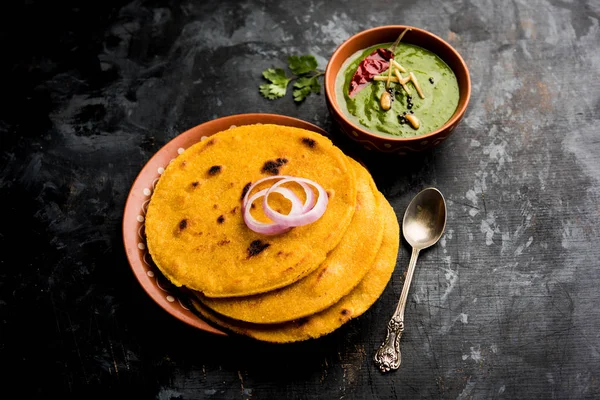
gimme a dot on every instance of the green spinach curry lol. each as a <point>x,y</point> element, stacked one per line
<point>383,105</point>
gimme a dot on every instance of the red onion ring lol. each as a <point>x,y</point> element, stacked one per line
<point>270,228</point>
<point>297,219</point>
<point>310,196</point>
<point>300,214</point>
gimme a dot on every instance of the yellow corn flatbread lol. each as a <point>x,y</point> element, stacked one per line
<point>359,300</point>
<point>343,269</point>
<point>195,230</point>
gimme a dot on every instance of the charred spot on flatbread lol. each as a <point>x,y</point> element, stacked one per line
<point>195,184</point>
<point>245,190</point>
<point>183,224</point>
<point>345,315</point>
<point>256,247</point>
<point>272,166</point>
<point>215,169</point>
<point>233,210</point>
<point>207,146</point>
<point>309,142</point>
<point>221,219</point>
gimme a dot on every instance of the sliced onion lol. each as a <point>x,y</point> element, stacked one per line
<point>309,202</point>
<point>300,214</point>
<point>297,219</point>
<point>310,197</point>
<point>245,200</point>
<point>270,228</point>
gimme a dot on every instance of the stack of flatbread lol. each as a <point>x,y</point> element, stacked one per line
<point>292,286</point>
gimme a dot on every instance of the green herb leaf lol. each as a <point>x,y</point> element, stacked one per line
<point>306,79</point>
<point>302,64</point>
<point>304,86</point>
<point>278,85</point>
<point>277,76</point>
<point>265,90</point>
<point>300,94</point>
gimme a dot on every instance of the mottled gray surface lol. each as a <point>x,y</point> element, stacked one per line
<point>505,306</point>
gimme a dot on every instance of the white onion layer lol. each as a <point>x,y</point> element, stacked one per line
<point>270,228</point>
<point>300,214</point>
<point>297,219</point>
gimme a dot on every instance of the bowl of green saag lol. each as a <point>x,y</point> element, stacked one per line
<point>397,89</point>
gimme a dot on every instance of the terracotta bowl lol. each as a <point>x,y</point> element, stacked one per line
<point>384,34</point>
<point>170,298</point>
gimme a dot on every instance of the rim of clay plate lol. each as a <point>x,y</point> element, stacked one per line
<point>147,175</point>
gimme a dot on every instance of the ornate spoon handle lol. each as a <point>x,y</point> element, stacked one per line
<point>388,356</point>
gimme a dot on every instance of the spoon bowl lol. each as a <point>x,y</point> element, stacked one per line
<point>423,225</point>
<point>425,219</point>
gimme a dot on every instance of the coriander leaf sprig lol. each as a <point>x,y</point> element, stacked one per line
<point>300,65</point>
<point>278,84</point>
<point>306,77</point>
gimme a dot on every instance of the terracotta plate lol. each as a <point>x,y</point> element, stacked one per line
<point>171,299</point>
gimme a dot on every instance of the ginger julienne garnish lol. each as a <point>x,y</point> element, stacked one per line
<point>399,79</point>
<point>402,81</point>
<point>389,77</point>
<point>415,82</point>
<point>398,66</point>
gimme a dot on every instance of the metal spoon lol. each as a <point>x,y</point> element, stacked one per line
<point>423,225</point>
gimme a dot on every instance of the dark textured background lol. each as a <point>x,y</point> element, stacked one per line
<point>505,306</point>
